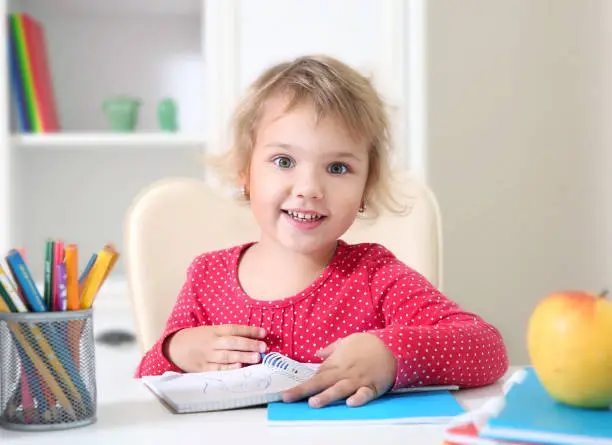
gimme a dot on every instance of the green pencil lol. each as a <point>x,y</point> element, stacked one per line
<point>48,291</point>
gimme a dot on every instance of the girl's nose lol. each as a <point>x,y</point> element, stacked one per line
<point>309,187</point>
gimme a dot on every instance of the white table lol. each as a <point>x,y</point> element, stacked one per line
<point>129,413</point>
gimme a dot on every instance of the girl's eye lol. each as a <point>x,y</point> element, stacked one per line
<point>338,169</point>
<point>283,162</point>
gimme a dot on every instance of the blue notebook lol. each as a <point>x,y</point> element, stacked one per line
<point>416,407</point>
<point>531,415</point>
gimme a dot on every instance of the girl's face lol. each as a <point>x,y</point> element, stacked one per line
<point>307,179</point>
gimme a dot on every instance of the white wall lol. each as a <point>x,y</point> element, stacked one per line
<point>288,29</point>
<point>519,95</point>
<point>361,33</point>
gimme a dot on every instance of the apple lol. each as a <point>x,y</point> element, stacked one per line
<point>569,340</point>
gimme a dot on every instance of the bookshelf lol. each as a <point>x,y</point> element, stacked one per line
<point>120,7</point>
<point>85,141</point>
<point>77,184</point>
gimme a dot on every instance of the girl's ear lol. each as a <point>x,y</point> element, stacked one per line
<point>364,201</point>
<point>243,173</point>
<point>363,206</point>
<point>243,184</point>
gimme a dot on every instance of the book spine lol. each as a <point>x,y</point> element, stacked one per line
<point>26,71</point>
<point>41,75</point>
<point>17,86</point>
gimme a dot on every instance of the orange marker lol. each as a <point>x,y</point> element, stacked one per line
<point>72,277</point>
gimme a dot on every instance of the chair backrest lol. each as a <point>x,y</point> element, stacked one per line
<point>174,220</point>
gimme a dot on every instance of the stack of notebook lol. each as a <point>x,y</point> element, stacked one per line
<point>528,415</point>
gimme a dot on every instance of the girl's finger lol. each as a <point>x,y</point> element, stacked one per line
<point>327,350</point>
<point>237,343</point>
<point>363,395</point>
<point>323,379</point>
<point>338,391</point>
<point>226,356</point>
<point>220,366</point>
<point>240,330</point>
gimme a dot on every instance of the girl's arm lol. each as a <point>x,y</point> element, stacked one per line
<point>434,341</point>
<point>187,313</point>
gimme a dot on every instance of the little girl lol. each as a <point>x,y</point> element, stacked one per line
<point>310,153</point>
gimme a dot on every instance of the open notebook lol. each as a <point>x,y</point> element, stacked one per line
<point>237,388</point>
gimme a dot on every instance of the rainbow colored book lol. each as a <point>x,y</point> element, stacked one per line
<point>31,76</point>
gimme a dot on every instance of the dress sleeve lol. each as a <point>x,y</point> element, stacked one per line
<point>434,340</point>
<point>188,312</point>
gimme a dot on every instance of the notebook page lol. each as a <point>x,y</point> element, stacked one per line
<point>248,386</point>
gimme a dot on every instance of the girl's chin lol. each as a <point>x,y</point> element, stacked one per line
<point>309,246</point>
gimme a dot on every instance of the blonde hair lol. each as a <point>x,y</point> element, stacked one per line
<point>334,89</point>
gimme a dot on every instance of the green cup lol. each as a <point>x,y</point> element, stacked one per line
<point>167,115</point>
<point>122,113</point>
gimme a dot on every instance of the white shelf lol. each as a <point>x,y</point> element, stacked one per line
<point>115,7</point>
<point>80,141</point>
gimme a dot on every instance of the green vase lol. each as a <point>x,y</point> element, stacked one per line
<point>167,115</point>
<point>121,112</point>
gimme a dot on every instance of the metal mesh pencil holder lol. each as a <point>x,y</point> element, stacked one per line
<point>47,370</point>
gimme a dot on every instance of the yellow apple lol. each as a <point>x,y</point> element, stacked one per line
<point>569,340</point>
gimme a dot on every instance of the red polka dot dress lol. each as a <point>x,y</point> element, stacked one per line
<point>365,288</point>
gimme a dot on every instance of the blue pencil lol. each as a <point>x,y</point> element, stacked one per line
<point>24,280</point>
<point>90,264</point>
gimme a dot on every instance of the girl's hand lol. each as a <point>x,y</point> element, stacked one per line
<point>358,368</point>
<point>214,348</point>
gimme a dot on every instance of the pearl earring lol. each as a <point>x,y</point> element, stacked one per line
<point>244,193</point>
<point>362,207</point>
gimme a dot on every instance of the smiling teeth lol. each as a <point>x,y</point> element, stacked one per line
<point>304,216</point>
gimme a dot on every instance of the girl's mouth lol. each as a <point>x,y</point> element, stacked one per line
<point>304,216</point>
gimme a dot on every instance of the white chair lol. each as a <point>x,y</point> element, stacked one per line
<point>174,220</point>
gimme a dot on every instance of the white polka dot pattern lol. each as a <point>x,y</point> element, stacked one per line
<point>363,289</point>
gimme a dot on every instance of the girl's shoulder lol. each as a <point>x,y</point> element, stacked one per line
<point>366,254</point>
<point>376,261</point>
<point>219,258</point>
